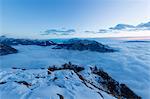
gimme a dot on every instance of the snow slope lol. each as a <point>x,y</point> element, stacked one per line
<point>37,84</point>
<point>130,65</point>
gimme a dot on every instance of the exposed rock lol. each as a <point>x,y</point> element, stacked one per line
<point>81,45</point>
<point>110,86</point>
<point>24,83</point>
<point>113,87</point>
<point>60,96</point>
<point>5,49</point>
<point>69,66</point>
<point>3,82</point>
<point>128,93</point>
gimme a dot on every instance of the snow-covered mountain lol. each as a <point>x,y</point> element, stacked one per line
<point>14,41</point>
<point>59,82</point>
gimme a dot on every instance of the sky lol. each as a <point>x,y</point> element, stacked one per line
<point>35,16</point>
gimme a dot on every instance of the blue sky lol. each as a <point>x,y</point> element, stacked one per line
<point>33,16</point>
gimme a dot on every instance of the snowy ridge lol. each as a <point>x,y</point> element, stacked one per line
<point>69,82</point>
<point>37,83</point>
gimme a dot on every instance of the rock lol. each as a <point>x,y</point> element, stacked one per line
<point>6,49</point>
<point>60,96</point>
<point>103,81</point>
<point>81,45</point>
<point>113,87</point>
<point>23,83</point>
<point>128,93</point>
<point>3,82</point>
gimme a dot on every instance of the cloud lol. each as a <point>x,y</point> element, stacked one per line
<point>99,31</point>
<point>62,31</point>
<point>90,32</point>
<point>142,26</point>
<point>120,30</point>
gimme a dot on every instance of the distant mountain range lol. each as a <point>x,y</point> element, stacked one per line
<point>13,41</point>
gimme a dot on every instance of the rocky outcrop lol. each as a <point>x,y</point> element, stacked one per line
<point>104,81</point>
<point>110,85</point>
<point>6,49</point>
<point>81,45</point>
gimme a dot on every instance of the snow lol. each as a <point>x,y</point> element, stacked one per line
<point>67,84</point>
<point>130,66</point>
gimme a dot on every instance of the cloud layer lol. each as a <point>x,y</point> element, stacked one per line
<point>62,31</point>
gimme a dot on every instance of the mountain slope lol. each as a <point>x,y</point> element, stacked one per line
<point>81,45</point>
<point>14,41</point>
<point>69,82</point>
<point>5,49</point>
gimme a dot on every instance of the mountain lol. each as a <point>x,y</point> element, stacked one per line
<point>68,81</point>
<point>71,44</point>
<point>81,45</point>
<point>5,49</point>
<point>41,72</point>
<point>13,41</point>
